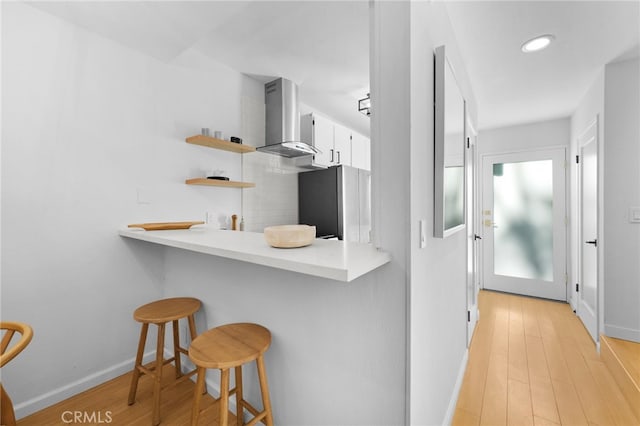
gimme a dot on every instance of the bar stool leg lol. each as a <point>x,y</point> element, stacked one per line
<point>176,352</point>
<point>197,396</point>
<point>239,397</point>
<point>136,371</point>
<point>158,375</point>
<point>7,415</point>
<point>264,389</point>
<point>224,397</point>
<point>192,327</point>
<point>192,332</point>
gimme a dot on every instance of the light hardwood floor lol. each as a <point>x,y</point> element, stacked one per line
<point>107,403</point>
<point>531,362</point>
<point>629,356</point>
<point>623,360</point>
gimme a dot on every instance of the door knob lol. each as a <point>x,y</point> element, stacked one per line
<point>594,242</point>
<point>476,237</point>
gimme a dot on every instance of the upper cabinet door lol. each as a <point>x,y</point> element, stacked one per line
<point>360,151</point>
<point>342,145</point>
<point>323,140</point>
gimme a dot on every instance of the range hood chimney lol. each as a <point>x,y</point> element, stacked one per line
<point>283,121</point>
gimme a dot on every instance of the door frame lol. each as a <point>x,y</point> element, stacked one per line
<point>593,125</point>
<point>471,192</point>
<point>481,203</point>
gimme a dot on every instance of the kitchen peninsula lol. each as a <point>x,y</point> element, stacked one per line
<point>336,260</point>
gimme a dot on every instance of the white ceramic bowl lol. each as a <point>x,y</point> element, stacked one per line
<point>289,236</point>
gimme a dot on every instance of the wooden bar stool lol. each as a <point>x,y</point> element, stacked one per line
<point>159,313</point>
<point>9,328</point>
<point>231,346</point>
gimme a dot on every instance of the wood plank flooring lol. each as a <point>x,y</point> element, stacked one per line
<point>628,354</point>
<point>622,358</point>
<point>531,362</point>
<point>107,403</point>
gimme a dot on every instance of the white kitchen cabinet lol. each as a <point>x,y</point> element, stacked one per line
<point>318,131</point>
<point>360,151</point>
<point>341,145</point>
<point>321,132</point>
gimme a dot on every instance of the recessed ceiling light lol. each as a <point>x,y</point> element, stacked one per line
<point>537,43</point>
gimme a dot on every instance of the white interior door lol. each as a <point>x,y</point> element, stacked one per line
<point>587,289</point>
<point>471,203</point>
<point>524,223</point>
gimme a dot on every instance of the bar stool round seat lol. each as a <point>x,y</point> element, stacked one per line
<point>160,313</point>
<point>231,346</point>
<point>165,310</point>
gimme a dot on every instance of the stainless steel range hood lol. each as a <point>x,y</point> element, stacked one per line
<point>283,121</point>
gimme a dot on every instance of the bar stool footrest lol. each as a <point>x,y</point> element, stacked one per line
<point>183,378</point>
<point>257,415</point>
<point>150,367</point>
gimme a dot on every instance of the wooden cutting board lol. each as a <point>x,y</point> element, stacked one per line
<point>163,226</point>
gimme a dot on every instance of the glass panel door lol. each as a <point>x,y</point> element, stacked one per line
<point>524,229</point>
<point>523,219</point>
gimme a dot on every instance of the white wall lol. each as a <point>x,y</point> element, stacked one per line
<point>621,191</point>
<point>337,355</point>
<point>438,305</point>
<point>92,139</point>
<point>522,137</point>
<point>615,98</point>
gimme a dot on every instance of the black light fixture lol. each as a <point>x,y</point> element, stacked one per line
<point>364,105</point>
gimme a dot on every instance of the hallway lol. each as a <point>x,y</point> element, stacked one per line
<point>531,362</point>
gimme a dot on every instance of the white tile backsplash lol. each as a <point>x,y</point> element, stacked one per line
<point>274,200</point>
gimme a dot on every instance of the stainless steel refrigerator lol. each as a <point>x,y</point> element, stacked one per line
<point>337,201</point>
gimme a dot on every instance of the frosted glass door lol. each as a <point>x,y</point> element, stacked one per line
<point>524,223</point>
<point>523,217</point>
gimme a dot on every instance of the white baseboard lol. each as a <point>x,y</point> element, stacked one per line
<point>622,333</point>
<point>54,396</point>
<point>451,409</point>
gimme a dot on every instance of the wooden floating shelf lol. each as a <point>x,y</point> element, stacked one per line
<point>210,142</point>
<point>215,182</point>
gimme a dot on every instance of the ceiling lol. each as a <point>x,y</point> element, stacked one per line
<point>512,87</point>
<point>323,46</point>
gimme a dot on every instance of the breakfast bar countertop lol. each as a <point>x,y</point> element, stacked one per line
<point>333,259</point>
